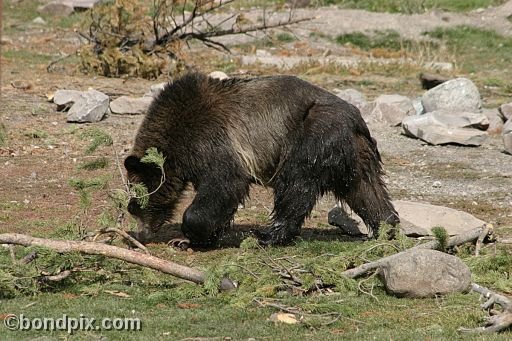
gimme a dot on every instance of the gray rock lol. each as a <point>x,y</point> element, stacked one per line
<point>506,111</point>
<point>130,105</point>
<point>415,215</point>
<point>495,121</point>
<point>218,75</point>
<point>425,273</point>
<point>416,219</point>
<point>352,96</point>
<point>90,107</point>
<point>390,109</point>
<point>64,98</point>
<point>458,94</point>
<point>349,223</point>
<point>418,106</point>
<point>507,136</point>
<point>56,9</point>
<point>440,127</point>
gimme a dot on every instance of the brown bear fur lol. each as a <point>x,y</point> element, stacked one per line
<point>279,131</point>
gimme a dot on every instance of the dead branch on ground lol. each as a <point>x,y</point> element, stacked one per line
<point>110,251</point>
<point>122,38</point>
<point>499,320</point>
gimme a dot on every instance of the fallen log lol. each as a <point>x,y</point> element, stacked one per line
<point>134,257</point>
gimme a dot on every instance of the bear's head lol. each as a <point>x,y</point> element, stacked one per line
<point>162,194</point>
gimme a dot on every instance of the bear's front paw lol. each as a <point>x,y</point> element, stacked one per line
<point>275,235</point>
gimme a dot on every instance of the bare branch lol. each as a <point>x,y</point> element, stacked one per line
<point>498,322</point>
<point>239,30</point>
<point>110,251</point>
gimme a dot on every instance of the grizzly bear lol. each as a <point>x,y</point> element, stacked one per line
<point>278,131</point>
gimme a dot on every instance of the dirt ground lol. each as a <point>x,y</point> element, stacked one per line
<point>34,171</point>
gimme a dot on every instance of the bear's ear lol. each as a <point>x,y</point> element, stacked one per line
<point>132,163</point>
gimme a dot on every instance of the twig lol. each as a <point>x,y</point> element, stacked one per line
<point>58,277</point>
<point>453,241</point>
<point>498,322</point>
<point>29,258</point>
<point>49,68</point>
<point>12,254</point>
<point>129,256</point>
<point>238,30</point>
<point>125,236</point>
<point>487,229</point>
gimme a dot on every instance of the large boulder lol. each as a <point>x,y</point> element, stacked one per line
<point>416,219</point>
<point>353,97</point>
<point>414,215</point>
<point>458,94</point>
<point>422,273</point>
<point>389,109</point>
<point>442,127</point>
<point>507,136</point>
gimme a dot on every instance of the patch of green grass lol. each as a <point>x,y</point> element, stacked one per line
<point>97,138</point>
<point>285,37</point>
<point>173,309</point>
<point>390,40</point>
<point>69,21</point>
<point>414,6</point>
<point>26,56</point>
<point>99,163</point>
<point>477,49</point>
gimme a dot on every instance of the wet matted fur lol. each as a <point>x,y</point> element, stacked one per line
<point>278,131</point>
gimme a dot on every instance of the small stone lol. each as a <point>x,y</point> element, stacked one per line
<point>56,9</point>
<point>218,75</point>
<point>352,96</point>
<point>423,273</point>
<point>92,106</point>
<point>495,121</point>
<point>390,109</point>
<point>39,21</point>
<point>437,184</point>
<point>350,224</point>
<point>458,94</point>
<point>263,53</point>
<point>130,105</point>
<point>506,111</point>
